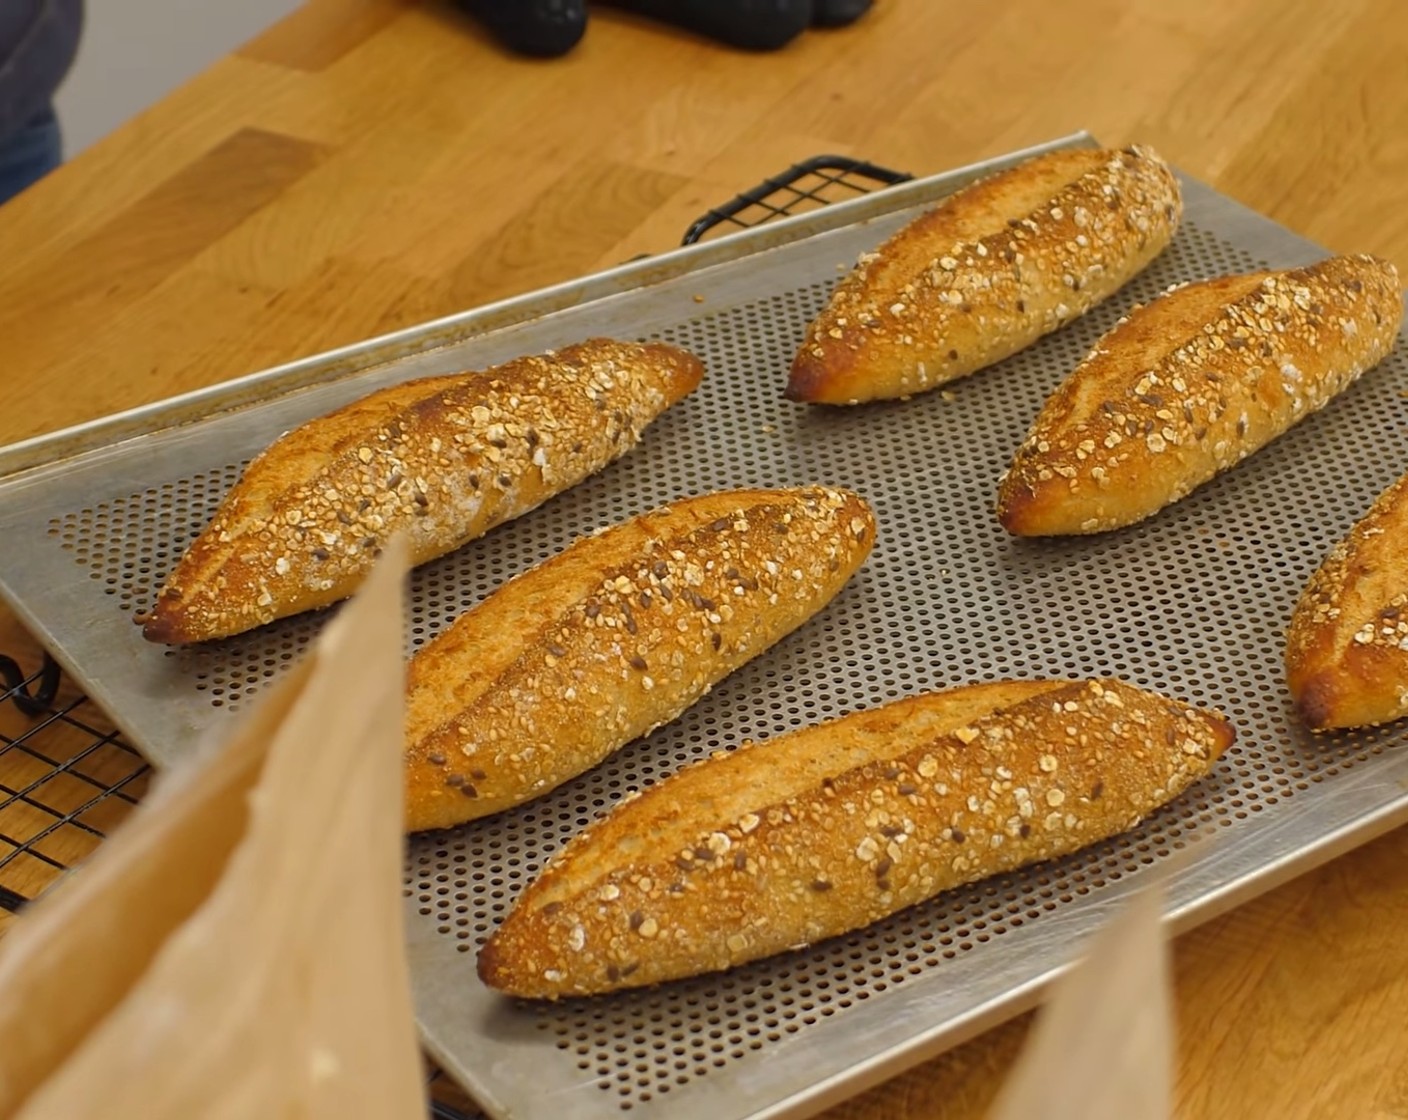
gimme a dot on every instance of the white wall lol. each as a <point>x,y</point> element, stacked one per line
<point>134,51</point>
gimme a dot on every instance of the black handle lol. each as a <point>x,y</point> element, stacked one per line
<point>33,695</point>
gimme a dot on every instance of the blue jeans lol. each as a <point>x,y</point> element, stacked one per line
<point>30,154</point>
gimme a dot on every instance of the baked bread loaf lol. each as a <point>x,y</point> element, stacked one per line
<point>615,635</point>
<point>1347,643</point>
<point>992,269</point>
<point>824,830</point>
<point>442,459</point>
<point>1192,384</point>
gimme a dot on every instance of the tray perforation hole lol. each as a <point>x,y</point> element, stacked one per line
<point>946,598</point>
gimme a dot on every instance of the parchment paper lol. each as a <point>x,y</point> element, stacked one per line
<point>236,949</point>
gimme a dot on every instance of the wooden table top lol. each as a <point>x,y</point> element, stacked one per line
<point>370,164</point>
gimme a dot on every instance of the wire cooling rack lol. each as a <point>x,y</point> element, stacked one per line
<point>67,778</point>
<point>805,186</point>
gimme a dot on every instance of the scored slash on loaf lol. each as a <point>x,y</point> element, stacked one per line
<point>442,459</point>
<point>614,636</point>
<point>999,264</point>
<point>1347,643</point>
<point>824,830</point>
<point>1189,385</point>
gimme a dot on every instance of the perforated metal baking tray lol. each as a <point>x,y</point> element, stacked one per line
<point>1192,602</point>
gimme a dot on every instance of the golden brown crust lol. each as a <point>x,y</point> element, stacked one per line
<point>442,459</point>
<point>1190,385</point>
<point>827,829</point>
<point>619,633</point>
<point>1347,643</point>
<point>992,269</point>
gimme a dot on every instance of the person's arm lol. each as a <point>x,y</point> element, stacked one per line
<point>38,41</point>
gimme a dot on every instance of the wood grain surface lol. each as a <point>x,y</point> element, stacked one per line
<point>369,164</point>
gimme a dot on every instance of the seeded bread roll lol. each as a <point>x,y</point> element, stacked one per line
<point>1190,385</point>
<point>616,635</point>
<point>824,830</point>
<point>992,269</point>
<point>442,459</point>
<point>1347,644</point>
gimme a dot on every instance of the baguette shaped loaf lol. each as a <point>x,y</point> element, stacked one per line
<point>992,269</point>
<point>442,459</point>
<point>1347,643</point>
<point>616,635</point>
<point>1190,385</point>
<point>824,830</point>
